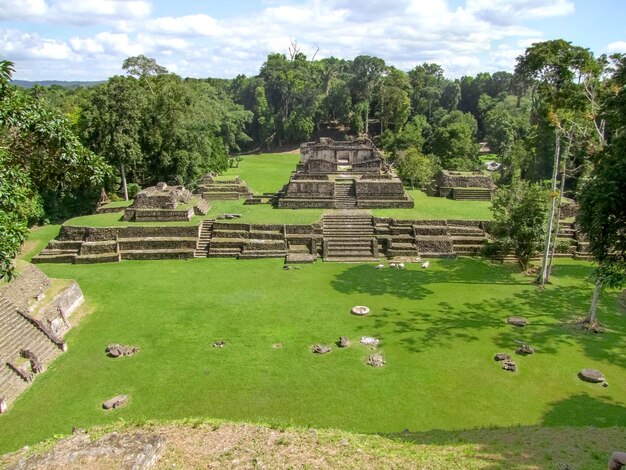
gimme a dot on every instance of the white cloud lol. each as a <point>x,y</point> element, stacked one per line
<point>476,36</point>
<point>616,47</point>
<point>15,45</point>
<point>73,12</point>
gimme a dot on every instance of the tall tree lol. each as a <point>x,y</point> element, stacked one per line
<point>367,72</point>
<point>603,199</point>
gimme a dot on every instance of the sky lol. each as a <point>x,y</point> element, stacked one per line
<point>89,39</point>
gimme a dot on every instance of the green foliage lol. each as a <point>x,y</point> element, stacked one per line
<point>415,168</point>
<point>453,141</point>
<point>603,199</point>
<point>40,160</point>
<point>519,213</point>
<point>133,189</point>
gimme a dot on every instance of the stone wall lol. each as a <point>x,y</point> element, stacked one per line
<point>55,315</point>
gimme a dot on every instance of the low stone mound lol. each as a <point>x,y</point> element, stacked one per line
<point>524,350</point>
<point>517,321</point>
<point>591,375</point>
<point>360,310</point>
<point>509,366</point>
<point>502,357</point>
<point>376,360</point>
<point>118,350</point>
<point>115,402</point>
<point>138,451</point>
<point>321,349</point>
<point>370,341</point>
<point>343,342</point>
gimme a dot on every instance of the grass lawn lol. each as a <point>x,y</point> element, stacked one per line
<point>439,330</point>
<point>265,173</point>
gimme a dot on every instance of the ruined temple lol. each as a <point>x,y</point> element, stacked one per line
<point>342,175</point>
<point>163,203</point>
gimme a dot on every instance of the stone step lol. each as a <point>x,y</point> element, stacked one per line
<point>97,258</point>
<point>99,247</point>
<point>457,240</point>
<point>178,253</point>
<point>348,259</point>
<point>53,258</point>
<point>69,245</point>
<point>155,243</point>
<point>468,248</point>
<point>262,254</point>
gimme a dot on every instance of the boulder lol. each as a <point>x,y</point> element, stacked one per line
<point>117,350</point>
<point>517,321</point>
<point>115,402</point>
<point>524,350</point>
<point>509,365</point>
<point>376,360</point>
<point>360,310</point>
<point>343,342</point>
<point>321,349</point>
<point>502,357</point>
<point>370,341</point>
<point>591,375</point>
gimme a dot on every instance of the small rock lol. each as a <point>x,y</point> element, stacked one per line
<point>509,365</point>
<point>426,264</point>
<point>370,341</point>
<point>286,267</point>
<point>321,349</point>
<point>376,360</point>
<point>117,350</point>
<point>313,432</point>
<point>344,442</point>
<point>605,384</point>
<point>591,375</point>
<point>40,297</point>
<point>219,344</point>
<point>502,357</point>
<point>115,402</point>
<point>277,345</point>
<point>343,342</point>
<point>380,266</point>
<point>360,310</point>
<point>517,321</point>
<point>524,350</point>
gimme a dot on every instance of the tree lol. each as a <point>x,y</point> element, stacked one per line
<point>39,154</point>
<point>603,199</point>
<point>557,67</point>
<point>453,141</point>
<point>394,102</point>
<point>367,72</point>
<point>415,168</point>
<point>111,124</point>
<point>519,212</point>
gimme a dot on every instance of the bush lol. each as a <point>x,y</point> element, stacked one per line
<point>133,189</point>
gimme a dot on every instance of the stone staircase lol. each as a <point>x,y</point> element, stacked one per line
<point>349,237</point>
<point>245,241</point>
<point>17,334</point>
<point>471,194</point>
<point>345,194</point>
<point>467,238</point>
<point>59,251</point>
<point>224,189</point>
<point>432,239</point>
<point>204,238</point>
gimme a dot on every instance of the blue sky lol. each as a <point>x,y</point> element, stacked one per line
<point>89,39</point>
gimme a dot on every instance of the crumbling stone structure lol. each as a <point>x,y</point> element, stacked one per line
<point>342,175</point>
<point>163,203</point>
<point>477,185</point>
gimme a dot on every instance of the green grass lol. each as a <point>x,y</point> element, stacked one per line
<point>437,208</point>
<point>38,238</point>
<point>120,204</point>
<point>265,173</point>
<point>439,329</point>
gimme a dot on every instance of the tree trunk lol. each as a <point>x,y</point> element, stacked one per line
<point>591,315</point>
<point>543,275</point>
<point>558,211</point>
<point>124,188</point>
<point>367,118</point>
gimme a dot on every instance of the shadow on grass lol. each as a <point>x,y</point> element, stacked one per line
<point>552,313</point>
<point>579,432</point>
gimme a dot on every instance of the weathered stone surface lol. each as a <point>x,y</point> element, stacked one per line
<point>502,357</point>
<point>115,402</point>
<point>376,360</point>
<point>117,350</point>
<point>343,342</point>
<point>136,451</point>
<point>517,321</point>
<point>509,365</point>
<point>370,341</point>
<point>524,350</point>
<point>321,349</point>
<point>591,375</point>
<point>360,310</point>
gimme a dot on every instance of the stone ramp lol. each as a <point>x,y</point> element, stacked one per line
<point>349,237</point>
<point>17,334</point>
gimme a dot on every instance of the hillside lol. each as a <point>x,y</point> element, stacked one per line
<point>214,444</point>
